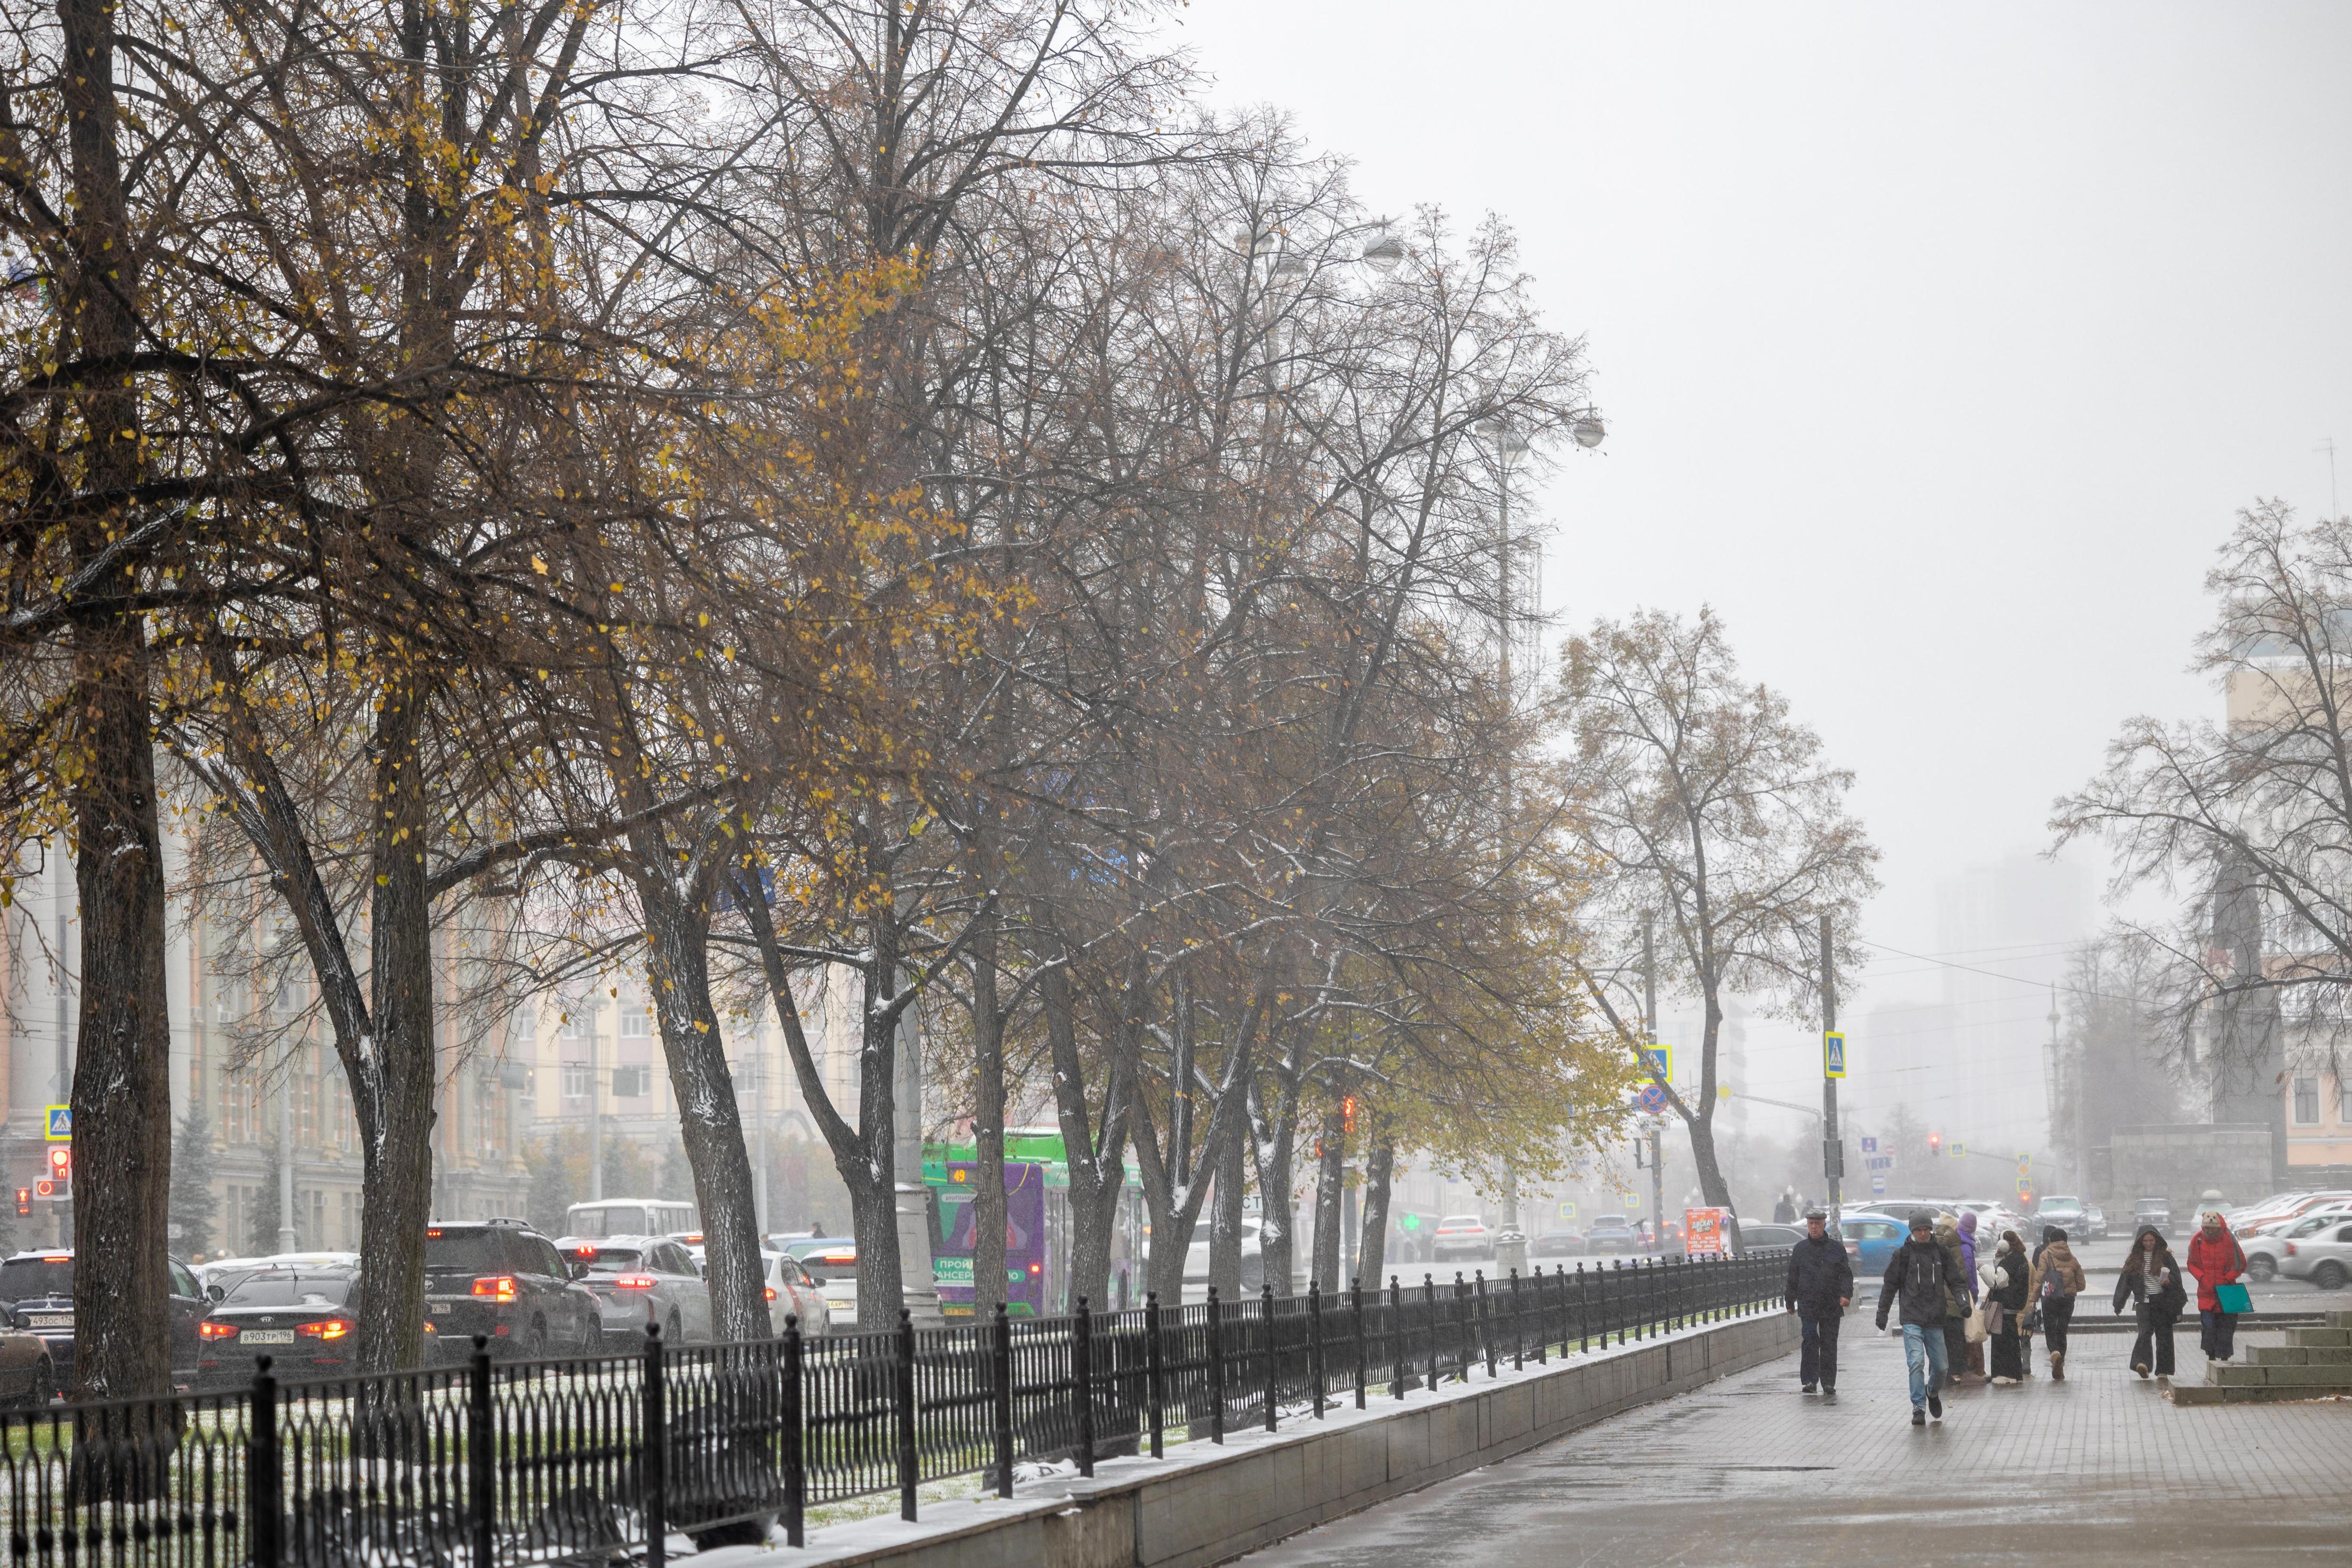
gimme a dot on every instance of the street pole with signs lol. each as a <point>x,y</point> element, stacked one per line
<point>1832,1057</point>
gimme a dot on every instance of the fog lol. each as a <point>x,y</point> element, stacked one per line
<point>1938,345</point>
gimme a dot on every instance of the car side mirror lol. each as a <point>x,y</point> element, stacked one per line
<point>215,1293</point>
<point>579,1269</point>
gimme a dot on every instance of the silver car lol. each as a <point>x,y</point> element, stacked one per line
<point>641,1280</point>
<point>2324,1257</point>
<point>2266,1247</point>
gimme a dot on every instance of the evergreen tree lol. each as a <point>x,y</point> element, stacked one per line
<point>262,1239</point>
<point>194,1206</point>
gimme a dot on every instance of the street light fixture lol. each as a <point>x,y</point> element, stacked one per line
<point>1386,253</point>
<point>1587,431</point>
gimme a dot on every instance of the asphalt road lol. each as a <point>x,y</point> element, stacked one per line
<point>2101,1469</point>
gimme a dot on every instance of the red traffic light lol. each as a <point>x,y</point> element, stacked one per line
<point>1935,1143</point>
<point>45,1187</point>
<point>1347,1113</point>
<point>61,1161</point>
<point>23,1200</point>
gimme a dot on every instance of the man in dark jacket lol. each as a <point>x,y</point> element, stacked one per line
<point>1821,1283</point>
<point>1919,1275</point>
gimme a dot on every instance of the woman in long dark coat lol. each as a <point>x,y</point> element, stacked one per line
<point>2008,1291</point>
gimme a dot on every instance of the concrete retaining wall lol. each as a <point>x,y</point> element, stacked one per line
<point>1205,1504</point>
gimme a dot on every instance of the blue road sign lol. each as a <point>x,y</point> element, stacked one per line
<point>60,1122</point>
<point>1870,1145</point>
<point>1652,1098</point>
<point>1832,1056</point>
<point>1662,1061</point>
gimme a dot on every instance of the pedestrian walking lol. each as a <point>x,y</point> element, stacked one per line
<point>2217,1260</point>
<point>1963,1296</point>
<point>2005,1298</point>
<point>1821,1283</point>
<point>1922,1275</point>
<point>1972,1258</point>
<point>2150,1281</point>
<point>1785,1211</point>
<point>2052,1286</point>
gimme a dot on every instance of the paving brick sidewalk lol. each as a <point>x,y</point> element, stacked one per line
<point>1751,1472</point>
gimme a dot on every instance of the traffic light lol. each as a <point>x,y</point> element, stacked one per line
<point>1348,1114</point>
<point>61,1163</point>
<point>1935,1143</point>
<point>24,1202</point>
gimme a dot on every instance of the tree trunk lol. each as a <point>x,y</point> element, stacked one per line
<point>121,1089</point>
<point>1277,1151</point>
<point>1225,1222</point>
<point>1371,1251</point>
<point>711,1123</point>
<point>988,1210</point>
<point>1097,1166</point>
<point>1330,1177</point>
<point>1711,1183</point>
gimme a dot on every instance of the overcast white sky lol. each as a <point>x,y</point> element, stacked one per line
<point>1938,343</point>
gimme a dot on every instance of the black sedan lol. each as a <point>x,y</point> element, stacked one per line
<point>305,1319</point>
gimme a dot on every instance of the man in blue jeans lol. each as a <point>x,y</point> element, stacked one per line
<point>1919,1274</point>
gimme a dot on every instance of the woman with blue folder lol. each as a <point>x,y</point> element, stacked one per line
<point>2217,1261</point>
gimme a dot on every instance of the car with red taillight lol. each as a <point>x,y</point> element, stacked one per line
<point>501,1279</point>
<point>641,1280</point>
<point>832,1262</point>
<point>305,1319</point>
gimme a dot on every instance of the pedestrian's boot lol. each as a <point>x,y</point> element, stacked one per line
<point>2057,1366</point>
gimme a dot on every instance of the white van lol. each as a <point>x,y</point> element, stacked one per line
<point>632,1216</point>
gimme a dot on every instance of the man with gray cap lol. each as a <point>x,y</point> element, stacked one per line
<point>1821,1283</point>
<point>1921,1274</point>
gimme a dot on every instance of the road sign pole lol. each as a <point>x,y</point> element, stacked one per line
<point>1832,1161</point>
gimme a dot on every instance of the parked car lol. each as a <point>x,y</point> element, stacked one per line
<point>1462,1236</point>
<point>1755,1237</point>
<point>36,1295</point>
<point>501,1279</point>
<point>1612,1233</point>
<point>2068,1215</point>
<point>1196,1257</point>
<point>2156,1212</point>
<point>832,1262</point>
<point>2095,1221</point>
<point>1871,1241</point>
<point>2324,1257</point>
<point>641,1280</point>
<point>793,1291</point>
<point>1557,1244</point>
<point>304,1317</point>
<point>2267,1247</point>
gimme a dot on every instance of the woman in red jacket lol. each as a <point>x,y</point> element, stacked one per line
<point>2217,1260</point>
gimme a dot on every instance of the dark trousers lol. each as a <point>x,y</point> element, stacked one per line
<point>1956,1345</point>
<point>2155,1338</point>
<point>2218,1334</point>
<point>1817,1361</point>
<point>2057,1314</point>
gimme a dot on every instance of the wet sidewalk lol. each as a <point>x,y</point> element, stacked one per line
<point>2100,1469</point>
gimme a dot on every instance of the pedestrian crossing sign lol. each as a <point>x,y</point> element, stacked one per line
<point>1660,1060</point>
<point>1832,1056</point>
<point>59,1119</point>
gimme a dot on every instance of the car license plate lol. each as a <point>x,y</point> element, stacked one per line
<point>50,1319</point>
<point>267,1336</point>
<point>440,1309</point>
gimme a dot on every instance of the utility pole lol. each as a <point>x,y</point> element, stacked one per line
<point>1658,1123</point>
<point>1832,1145</point>
<point>595,1114</point>
<point>287,1240</point>
<point>2051,1077</point>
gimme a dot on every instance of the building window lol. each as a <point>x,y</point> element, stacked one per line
<point>637,1024</point>
<point>576,1023</point>
<point>632,1083</point>
<point>2344,1100</point>
<point>2306,1102</point>
<point>575,1080</point>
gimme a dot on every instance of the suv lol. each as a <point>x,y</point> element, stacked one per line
<point>501,1279</point>
<point>2067,1213</point>
<point>2156,1212</point>
<point>1460,1236</point>
<point>36,1294</point>
<point>1612,1233</point>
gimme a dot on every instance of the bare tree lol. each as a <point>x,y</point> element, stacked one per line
<point>1709,810</point>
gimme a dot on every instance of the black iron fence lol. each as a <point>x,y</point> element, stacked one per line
<point>492,1463</point>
